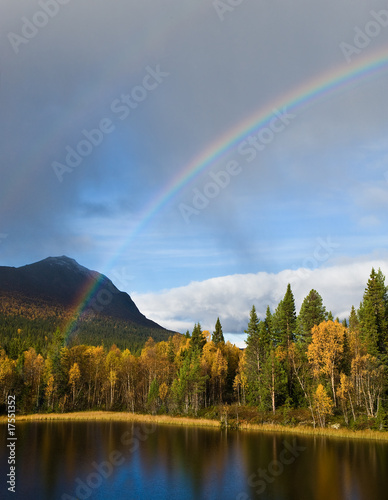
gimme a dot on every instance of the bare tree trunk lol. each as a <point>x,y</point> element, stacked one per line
<point>351,406</point>
<point>332,386</point>
<point>304,392</point>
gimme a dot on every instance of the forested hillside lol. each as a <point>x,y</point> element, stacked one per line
<point>83,305</point>
<point>305,364</point>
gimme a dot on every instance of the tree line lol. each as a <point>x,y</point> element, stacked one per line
<point>33,325</point>
<point>315,361</point>
<point>291,361</point>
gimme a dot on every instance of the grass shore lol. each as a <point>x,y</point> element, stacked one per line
<point>319,431</point>
<point>199,422</point>
<point>114,416</point>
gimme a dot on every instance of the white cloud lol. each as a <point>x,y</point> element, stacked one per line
<point>231,297</point>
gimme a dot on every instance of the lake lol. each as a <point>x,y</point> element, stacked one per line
<point>116,460</point>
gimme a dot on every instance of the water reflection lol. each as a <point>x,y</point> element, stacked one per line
<point>115,460</point>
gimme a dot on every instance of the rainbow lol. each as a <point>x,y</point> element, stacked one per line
<point>322,85</point>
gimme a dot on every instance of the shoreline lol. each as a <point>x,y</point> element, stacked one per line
<point>102,416</point>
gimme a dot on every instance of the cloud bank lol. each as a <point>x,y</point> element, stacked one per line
<point>231,297</point>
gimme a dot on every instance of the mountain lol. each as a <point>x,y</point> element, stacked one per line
<point>58,288</point>
<point>61,281</point>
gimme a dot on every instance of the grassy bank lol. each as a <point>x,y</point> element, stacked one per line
<point>114,416</point>
<point>343,433</point>
<point>318,431</point>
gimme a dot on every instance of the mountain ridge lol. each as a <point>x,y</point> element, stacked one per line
<point>62,281</point>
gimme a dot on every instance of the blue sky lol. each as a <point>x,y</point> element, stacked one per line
<point>162,82</point>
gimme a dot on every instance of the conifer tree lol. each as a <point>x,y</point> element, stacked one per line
<point>253,338</point>
<point>285,326</point>
<point>253,358</point>
<point>253,325</point>
<point>312,313</point>
<point>218,336</point>
<point>265,375</point>
<point>197,339</point>
<point>373,314</point>
<point>354,323</point>
<point>267,333</point>
<point>284,320</point>
<point>273,377</point>
<point>354,335</point>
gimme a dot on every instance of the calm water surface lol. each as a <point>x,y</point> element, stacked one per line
<point>115,460</point>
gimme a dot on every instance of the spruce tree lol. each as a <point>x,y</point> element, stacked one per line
<point>197,339</point>
<point>373,314</point>
<point>253,358</point>
<point>284,320</point>
<point>253,338</point>
<point>285,325</point>
<point>218,336</point>
<point>267,329</point>
<point>312,313</point>
<point>354,323</point>
<point>273,377</point>
<point>253,325</point>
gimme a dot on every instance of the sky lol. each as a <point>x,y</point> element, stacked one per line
<point>201,154</point>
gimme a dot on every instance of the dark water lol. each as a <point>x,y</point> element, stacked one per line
<point>134,461</point>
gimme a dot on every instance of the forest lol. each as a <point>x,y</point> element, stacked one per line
<point>296,368</point>
<point>25,324</point>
